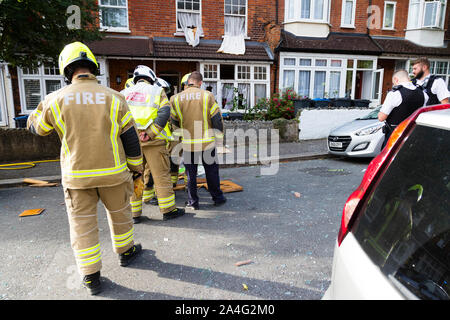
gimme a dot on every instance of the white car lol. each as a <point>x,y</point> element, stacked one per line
<point>394,239</point>
<point>362,137</point>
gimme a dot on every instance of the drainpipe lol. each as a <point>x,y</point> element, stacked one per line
<point>9,97</point>
<point>276,54</point>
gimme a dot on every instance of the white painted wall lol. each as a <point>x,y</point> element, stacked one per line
<point>308,29</point>
<point>316,124</point>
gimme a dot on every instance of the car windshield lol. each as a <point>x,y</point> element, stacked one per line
<point>405,225</point>
<point>372,115</point>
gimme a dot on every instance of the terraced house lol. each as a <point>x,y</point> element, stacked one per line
<point>252,48</point>
<point>350,48</point>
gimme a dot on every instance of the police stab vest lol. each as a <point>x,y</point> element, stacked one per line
<point>411,101</point>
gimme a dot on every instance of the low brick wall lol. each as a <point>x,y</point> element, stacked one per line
<point>234,130</point>
<point>20,144</point>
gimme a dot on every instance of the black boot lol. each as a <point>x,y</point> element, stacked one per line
<point>137,220</point>
<point>174,214</point>
<point>92,283</point>
<point>127,257</point>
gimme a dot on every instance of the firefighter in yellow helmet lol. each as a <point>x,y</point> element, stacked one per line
<point>184,81</point>
<point>129,83</point>
<point>99,152</point>
<point>151,110</point>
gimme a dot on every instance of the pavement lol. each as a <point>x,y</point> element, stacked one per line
<point>236,156</point>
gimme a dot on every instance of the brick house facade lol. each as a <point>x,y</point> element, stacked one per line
<point>150,33</point>
<point>350,48</point>
<point>321,48</point>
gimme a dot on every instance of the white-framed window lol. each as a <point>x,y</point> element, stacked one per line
<point>114,15</point>
<point>389,15</point>
<point>319,76</point>
<point>348,13</point>
<point>35,84</point>
<point>230,83</point>
<point>426,14</point>
<point>235,16</point>
<point>307,10</point>
<point>441,68</point>
<point>188,12</point>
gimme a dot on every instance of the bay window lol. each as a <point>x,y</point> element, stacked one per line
<point>307,10</point>
<point>236,85</point>
<point>114,15</point>
<point>426,14</point>
<point>319,76</point>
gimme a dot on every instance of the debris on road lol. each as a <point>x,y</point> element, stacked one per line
<point>245,286</point>
<point>39,183</point>
<point>243,263</point>
<point>31,212</point>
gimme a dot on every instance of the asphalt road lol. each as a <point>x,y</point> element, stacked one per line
<point>289,239</point>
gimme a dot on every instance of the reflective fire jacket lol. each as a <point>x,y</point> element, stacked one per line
<point>151,111</point>
<point>99,140</point>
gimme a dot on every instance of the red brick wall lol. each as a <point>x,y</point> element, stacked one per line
<point>400,22</point>
<point>158,18</point>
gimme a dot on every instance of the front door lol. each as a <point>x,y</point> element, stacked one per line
<point>377,88</point>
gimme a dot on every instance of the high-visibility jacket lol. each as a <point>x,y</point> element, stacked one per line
<point>151,111</point>
<point>199,119</point>
<point>99,141</point>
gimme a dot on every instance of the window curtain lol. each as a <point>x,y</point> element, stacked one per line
<point>319,84</point>
<point>234,38</point>
<point>244,95</point>
<point>227,96</point>
<point>210,86</point>
<point>288,79</point>
<point>191,25</point>
<point>304,83</point>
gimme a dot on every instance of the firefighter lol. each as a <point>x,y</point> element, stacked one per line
<point>129,83</point>
<point>99,152</point>
<point>149,196</point>
<point>151,110</point>
<point>199,119</point>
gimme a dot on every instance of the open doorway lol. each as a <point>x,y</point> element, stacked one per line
<point>174,80</point>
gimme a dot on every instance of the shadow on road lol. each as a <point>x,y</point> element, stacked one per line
<point>263,289</point>
<point>113,290</point>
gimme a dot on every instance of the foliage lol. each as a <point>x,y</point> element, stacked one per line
<point>280,105</point>
<point>33,32</point>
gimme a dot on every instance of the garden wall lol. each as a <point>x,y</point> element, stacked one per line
<point>317,124</point>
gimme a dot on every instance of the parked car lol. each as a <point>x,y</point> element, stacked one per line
<point>362,137</point>
<point>394,239</point>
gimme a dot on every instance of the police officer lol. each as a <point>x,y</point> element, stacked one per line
<point>400,103</point>
<point>197,114</point>
<point>99,150</point>
<point>151,110</point>
<point>434,87</point>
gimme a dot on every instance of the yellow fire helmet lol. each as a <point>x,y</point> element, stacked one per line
<point>129,83</point>
<point>73,52</point>
<point>184,81</point>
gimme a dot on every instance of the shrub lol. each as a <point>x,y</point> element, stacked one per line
<point>280,105</point>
